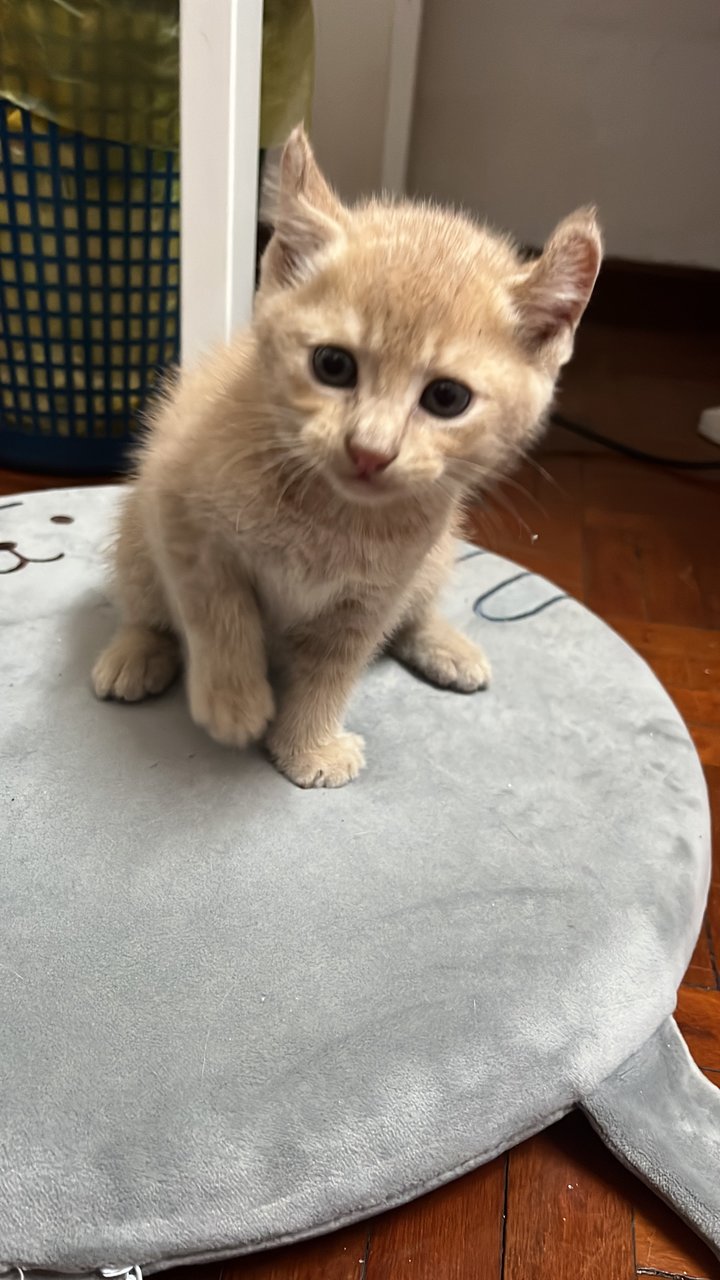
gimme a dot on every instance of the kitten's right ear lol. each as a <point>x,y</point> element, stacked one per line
<point>554,290</point>
<point>308,219</point>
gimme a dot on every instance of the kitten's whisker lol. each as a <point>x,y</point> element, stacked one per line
<point>507,506</point>
<point>546,475</point>
<point>300,470</point>
<point>287,477</point>
<point>498,481</point>
<point>526,493</point>
<point>487,522</point>
<point>542,471</point>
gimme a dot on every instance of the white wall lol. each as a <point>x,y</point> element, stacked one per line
<point>525,110</point>
<point>353,40</point>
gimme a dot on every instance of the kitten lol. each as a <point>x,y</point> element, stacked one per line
<point>297,495</point>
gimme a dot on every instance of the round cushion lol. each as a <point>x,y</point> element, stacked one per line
<point>235,1013</point>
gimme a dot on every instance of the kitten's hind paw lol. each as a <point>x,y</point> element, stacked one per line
<point>137,662</point>
<point>330,765</point>
<point>444,656</point>
<point>449,669</point>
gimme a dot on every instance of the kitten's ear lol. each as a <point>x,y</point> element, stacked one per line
<point>555,290</point>
<point>308,216</point>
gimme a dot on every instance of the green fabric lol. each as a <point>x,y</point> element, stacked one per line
<point>109,68</point>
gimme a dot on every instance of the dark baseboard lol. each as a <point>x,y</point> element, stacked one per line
<point>648,295</point>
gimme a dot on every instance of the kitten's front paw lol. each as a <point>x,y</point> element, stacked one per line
<point>330,765</point>
<point>232,716</point>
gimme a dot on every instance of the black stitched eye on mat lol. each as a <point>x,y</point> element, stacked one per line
<point>445,398</point>
<point>334,366</point>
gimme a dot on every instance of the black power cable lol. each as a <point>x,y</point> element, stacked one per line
<point>628,450</point>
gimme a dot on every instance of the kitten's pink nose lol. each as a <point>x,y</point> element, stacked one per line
<point>367,461</point>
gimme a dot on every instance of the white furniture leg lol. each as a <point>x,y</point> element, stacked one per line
<point>220,69</point>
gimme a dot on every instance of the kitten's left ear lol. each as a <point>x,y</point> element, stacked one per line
<point>555,290</point>
<point>309,216</point>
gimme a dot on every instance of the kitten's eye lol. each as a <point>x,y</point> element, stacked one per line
<point>445,398</point>
<point>334,366</point>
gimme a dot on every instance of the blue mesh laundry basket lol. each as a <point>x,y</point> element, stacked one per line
<point>89,291</point>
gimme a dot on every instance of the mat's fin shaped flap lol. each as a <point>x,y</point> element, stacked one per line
<point>661,1117</point>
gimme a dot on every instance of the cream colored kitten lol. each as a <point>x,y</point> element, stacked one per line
<point>297,495</point>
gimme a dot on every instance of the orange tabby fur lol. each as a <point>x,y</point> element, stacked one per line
<point>250,543</point>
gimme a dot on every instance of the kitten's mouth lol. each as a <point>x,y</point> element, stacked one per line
<point>362,488</point>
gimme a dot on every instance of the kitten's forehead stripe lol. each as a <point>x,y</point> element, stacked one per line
<point>338,324</point>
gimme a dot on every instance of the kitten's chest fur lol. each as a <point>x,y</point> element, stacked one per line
<point>288,594</point>
<point>301,574</point>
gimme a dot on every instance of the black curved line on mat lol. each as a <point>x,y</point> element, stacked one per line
<point>479,610</point>
<point>11,548</point>
<point>7,505</point>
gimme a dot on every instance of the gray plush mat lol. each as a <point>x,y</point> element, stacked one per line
<point>234,1013</point>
